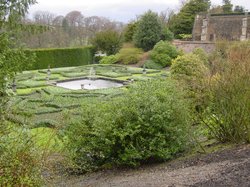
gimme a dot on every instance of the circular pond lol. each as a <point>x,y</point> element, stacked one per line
<point>88,84</point>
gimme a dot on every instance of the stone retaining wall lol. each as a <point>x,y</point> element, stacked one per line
<point>221,27</point>
<point>189,46</point>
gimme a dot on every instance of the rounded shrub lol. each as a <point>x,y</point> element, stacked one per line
<point>167,35</point>
<point>188,67</point>
<point>149,123</point>
<point>190,71</point>
<point>201,54</point>
<point>150,64</point>
<point>148,31</point>
<point>129,55</point>
<point>163,53</point>
<point>112,59</point>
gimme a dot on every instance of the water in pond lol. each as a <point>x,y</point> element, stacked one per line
<point>89,84</point>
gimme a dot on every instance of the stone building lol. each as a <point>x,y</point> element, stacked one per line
<point>221,26</point>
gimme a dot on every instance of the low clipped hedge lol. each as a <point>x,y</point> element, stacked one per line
<point>61,57</point>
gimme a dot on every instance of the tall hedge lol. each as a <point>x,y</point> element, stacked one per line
<point>61,57</point>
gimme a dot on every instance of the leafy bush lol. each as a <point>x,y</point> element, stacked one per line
<point>167,35</point>
<point>163,53</point>
<point>227,116</point>
<point>19,160</point>
<point>11,60</point>
<point>108,41</point>
<point>112,59</point>
<point>201,54</point>
<point>63,57</point>
<point>129,31</point>
<point>184,36</point>
<point>149,123</point>
<point>191,73</point>
<point>150,64</point>
<point>148,31</point>
<point>129,55</point>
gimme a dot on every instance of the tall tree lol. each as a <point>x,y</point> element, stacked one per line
<point>239,9</point>
<point>182,23</point>
<point>58,21</point>
<point>108,41</point>
<point>43,17</point>
<point>11,61</point>
<point>75,18</point>
<point>148,31</point>
<point>129,31</point>
<point>216,9</point>
<point>227,6</point>
<point>165,16</point>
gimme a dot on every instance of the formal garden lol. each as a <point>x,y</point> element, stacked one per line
<point>44,103</point>
<point>128,99</point>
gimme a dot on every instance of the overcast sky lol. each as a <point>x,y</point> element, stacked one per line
<point>119,10</point>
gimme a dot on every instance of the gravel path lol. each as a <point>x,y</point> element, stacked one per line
<point>223,168</point>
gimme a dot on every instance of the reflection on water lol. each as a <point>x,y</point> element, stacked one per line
<point>89,84</point>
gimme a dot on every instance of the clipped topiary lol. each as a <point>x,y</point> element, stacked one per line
<point>112,59</point>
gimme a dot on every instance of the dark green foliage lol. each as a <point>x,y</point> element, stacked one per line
<point>129,31</point>
<point>148,31</point>
<point>239,9</point>
<point>149,123</point>
<point>12,11</point>
<point>229,14</point>
<point>108,41</point>
<point>150,64</point>
<point>11,61</point>
<point>163,53</point>
<point>227,6</point>
<point>129,55</point>
<point>167,35</point>
<point>19,161</point>
<point>64,57</point>
<point>184,36</point>
<point>182,23</point>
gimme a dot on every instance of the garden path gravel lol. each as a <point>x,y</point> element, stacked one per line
<point>229,167</point>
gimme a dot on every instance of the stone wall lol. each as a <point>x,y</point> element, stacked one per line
<point>221,27</point>
<point>189,46</point>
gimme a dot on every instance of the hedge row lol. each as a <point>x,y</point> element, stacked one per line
<point>61,57</point>
<point>231,14</point>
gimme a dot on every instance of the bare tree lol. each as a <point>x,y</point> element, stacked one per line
<point>43,17</point>
<point>72,30</point>
<point>58,21</point>
<point>166,15</point>
<point>75,18</point>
